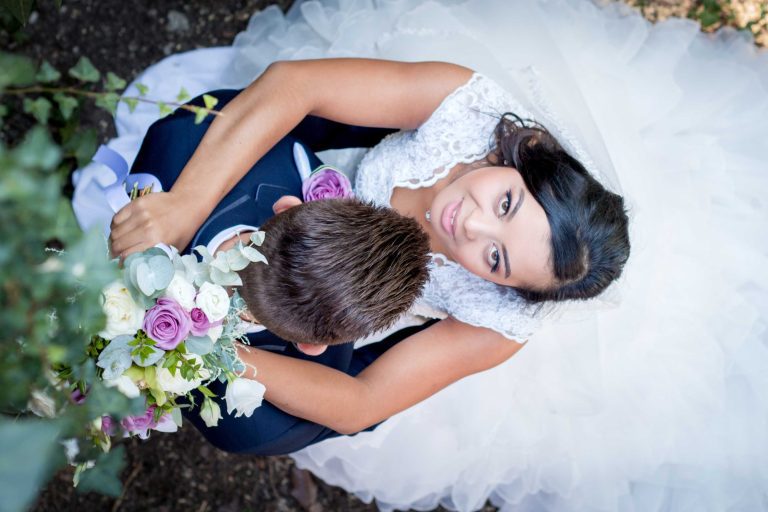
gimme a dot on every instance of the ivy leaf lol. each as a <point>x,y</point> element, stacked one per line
<point>104,477</point>
<point>40,108</point>
<point>143,89</point>
<point>108,101</point>
<point>200,115</point>
<point>84,71</point>
<point>82,145</point>
<point>131,102</point>
<point>38,150</point>
<point>16,70</point>
<point>114,82</point>
<point>3,111</point>
<point>164,109</point>
<point>183,95</point>
<point>67,104</point>
<point>210,101</point>
<point>47,73</point>
<point>20,9</point>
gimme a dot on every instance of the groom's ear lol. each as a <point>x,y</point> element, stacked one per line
<point>284,203</point>
<point>311,349</point>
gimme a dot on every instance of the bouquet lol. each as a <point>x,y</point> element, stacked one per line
<point>171,327</point>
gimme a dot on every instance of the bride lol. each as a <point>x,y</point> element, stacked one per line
<point>652,400</point>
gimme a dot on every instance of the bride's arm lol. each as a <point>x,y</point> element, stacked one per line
<point>363,92</point>
<point>404,375</point>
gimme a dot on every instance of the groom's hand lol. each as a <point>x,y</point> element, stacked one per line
<point>160,217</point>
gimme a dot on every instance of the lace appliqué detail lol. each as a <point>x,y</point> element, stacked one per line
<point>459,131</point>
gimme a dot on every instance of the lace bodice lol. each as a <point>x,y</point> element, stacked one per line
<point>460,130</point>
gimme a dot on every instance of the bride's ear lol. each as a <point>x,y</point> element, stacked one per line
<point>284,203</point>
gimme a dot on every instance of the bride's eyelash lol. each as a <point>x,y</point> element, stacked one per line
<point>508,197</point>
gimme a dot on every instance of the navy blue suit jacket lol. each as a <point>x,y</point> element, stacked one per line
<point>167,147</point>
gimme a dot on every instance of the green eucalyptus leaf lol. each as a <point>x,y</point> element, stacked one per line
<point>144,279</point>
<point>47,73</point>
<point>84,71</point>
<point>257,237</point>
<point>104,477</point>
<point>131,102</point>
<point>114,82</point>
<point>108,101</point>
<point>200,345</point>
<point>67,104</point>
<point>210,101</point>
<point>16,70</point>
<point>162,271</point>
<point>40,108</point>
<point>225,278</point>
<point>28,447</point>
<point>253,255</point>
<point>236,260</point>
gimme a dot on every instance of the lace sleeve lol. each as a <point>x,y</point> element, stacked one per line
<point>460,130</point>
<point>475,301</point>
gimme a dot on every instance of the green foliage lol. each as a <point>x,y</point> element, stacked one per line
<point>28,447</point>
<point>84,71</point>
<point>40,108</point>
<point>16,70</point>
<point>20,9</point>
<point>47,73</point>
<point>104,477</point>
<point>114,82</point>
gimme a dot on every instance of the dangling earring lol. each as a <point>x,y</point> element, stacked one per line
<point>428,215</point>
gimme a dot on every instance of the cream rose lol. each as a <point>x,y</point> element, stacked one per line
<point>181,291</point>
<point>124,316</point>
<point>215,332</point>
<point>243,396</point>
<point>213,300</point>
<point>210,412</point>
<point>176,383</point>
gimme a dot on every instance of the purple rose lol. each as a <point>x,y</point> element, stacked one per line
<point>326,183</point>
<point>200,322</point>
<point>108,425</point>
<point>77,397</point>
<point>167,323</point>
<point>141,425</point>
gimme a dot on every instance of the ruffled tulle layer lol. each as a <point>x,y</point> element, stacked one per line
<point>655,402</point>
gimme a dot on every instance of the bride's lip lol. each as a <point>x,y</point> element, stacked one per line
<point>449,216</point>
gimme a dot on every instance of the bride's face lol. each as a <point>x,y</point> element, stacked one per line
<point>487,221</point>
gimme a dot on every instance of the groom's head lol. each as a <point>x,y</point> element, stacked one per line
<point>338,270</point>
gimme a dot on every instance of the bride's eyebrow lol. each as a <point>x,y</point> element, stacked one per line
<point>509,217</point>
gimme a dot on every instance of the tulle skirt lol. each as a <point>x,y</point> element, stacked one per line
<point>656,399</point>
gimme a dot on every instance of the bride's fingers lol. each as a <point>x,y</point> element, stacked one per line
<point>143,246</point>
<point>132,234</point>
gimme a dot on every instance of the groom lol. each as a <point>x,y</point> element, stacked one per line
<point>168,145</point>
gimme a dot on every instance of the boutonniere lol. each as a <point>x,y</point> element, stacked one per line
<point>325,182</point>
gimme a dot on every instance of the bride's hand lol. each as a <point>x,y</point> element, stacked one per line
<point>149,220</point>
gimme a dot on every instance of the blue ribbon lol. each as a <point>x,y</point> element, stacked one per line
<point>115,193</point>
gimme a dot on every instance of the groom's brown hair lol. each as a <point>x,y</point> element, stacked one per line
<point>338,270</point>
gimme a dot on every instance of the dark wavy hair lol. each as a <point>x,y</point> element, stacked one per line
<point>590,240</point>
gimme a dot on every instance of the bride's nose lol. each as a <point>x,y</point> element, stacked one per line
<point>475,224</point>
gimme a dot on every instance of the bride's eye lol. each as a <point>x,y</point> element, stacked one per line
<point>493,259</point>
<point>505,204</point>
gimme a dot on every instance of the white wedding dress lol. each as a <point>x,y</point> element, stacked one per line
<point>653,398</point>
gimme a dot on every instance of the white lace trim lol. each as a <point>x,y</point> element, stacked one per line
<point>459,131</point>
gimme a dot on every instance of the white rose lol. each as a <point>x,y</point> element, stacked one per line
<point>41,404</point>
<point>124,316</point>
<point>181,291</point>
<point>210,412</point>
<point>215,332</point>
<point>176,383</point>
<point>244,396</point>
<point>213,300</point>
<point>125,385</point>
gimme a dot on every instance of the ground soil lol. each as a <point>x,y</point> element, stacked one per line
<point>180,471</point>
